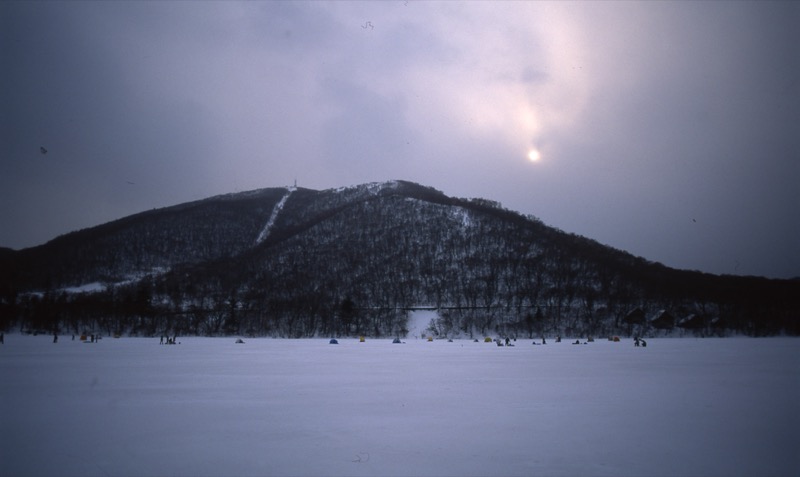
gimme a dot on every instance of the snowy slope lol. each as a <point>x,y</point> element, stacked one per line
<point>275,211</point>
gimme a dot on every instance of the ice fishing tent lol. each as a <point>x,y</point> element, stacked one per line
<point>663,320</point>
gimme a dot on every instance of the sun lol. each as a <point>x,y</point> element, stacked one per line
<point>534,155</point>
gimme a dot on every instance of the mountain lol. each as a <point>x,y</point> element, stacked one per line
<point>350,261</point>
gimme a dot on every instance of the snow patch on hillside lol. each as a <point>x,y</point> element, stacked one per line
<point>275,211</point>
<point>373,188</point>
<point>86,288</point>
<point>463,215</point>
<point>418,322</point>
<point>98,287</point>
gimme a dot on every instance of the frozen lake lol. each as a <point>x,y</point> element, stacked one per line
<point>304,407</point>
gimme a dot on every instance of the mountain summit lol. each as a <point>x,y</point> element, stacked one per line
<point>352,261</point>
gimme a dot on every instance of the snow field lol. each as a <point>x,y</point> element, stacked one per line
<point>304,407</point>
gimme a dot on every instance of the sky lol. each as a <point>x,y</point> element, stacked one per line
<point>670,130</point>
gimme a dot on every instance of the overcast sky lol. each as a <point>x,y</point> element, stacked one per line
<point>669,130</point>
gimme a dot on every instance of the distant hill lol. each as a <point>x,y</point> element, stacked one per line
<point>298,262</point>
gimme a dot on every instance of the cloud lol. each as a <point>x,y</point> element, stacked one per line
<point>647,115</point>
<point>502,72</point>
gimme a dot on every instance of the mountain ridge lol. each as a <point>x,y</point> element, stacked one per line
<point>354,260</point>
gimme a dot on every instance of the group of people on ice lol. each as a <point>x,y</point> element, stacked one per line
<point>168,340</point>
<point>636,341</point>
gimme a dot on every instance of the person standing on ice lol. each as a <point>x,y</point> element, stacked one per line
<point>55,337</point>
<point>2,338</point>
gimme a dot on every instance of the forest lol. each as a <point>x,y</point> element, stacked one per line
<point>355,261</point>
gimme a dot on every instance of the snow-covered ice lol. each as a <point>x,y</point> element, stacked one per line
<point>209,406</point>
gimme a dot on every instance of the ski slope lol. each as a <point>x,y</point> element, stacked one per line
<point>274,216</point>
<point>208,406</point>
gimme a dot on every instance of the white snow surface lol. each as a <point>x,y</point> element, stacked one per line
<point>208,406</point>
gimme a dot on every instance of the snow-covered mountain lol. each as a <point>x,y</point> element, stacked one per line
<point>301,262</point>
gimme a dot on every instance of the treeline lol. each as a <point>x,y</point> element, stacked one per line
<point>353,262</point>
<point>145,309</point>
